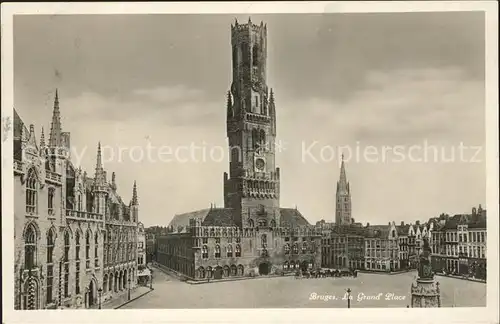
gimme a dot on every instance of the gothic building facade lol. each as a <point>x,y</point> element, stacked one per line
<point>68,225</point>
<point>252,234</point>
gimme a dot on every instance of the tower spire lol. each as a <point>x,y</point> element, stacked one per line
<point>100,174</point>
<point>55,128</point>
<point>342,184</point>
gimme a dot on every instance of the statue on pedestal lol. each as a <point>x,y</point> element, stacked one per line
<point>425,291</point>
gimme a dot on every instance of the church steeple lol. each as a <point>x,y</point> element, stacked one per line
<point>55,139</point>
<point>343,214</point>
<point>342,184</point>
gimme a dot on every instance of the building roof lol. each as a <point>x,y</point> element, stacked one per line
<point>403,229</point>
<point>291,217</point>
<point>183,219</point>
<point>19,131</point>
<point>219,217</point>
<point>377,231</point>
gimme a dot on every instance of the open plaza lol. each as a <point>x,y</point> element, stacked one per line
<point>367,290</point>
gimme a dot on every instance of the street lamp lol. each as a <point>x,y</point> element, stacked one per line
<point>128,288</point>
<point>348,297</point>
<point>100,295</point>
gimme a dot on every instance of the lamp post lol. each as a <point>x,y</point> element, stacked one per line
<point>151,281</point>
<point>100,295</point>
<point>348,297</point>
<point>128,288</point>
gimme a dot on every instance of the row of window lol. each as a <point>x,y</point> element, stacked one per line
<point>217,251</point>
<point>32,195</point>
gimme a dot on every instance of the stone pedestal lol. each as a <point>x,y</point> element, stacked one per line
<point>425,293</point>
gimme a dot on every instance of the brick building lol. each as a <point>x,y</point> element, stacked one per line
<point>252,234</point>
<point>62,221</point>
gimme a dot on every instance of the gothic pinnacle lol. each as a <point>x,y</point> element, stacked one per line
<point>99,158</point>
<point>135,200</point>
<point>42,139</point>
<point>55,128</point>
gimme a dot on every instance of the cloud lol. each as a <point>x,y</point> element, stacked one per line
<point>403,105</point>
<point>170,94</point>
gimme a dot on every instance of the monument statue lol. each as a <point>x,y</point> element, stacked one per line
<point>425,291</point>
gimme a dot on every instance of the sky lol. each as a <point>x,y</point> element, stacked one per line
<point>394,85</point>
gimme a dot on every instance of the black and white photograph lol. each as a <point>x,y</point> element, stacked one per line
<point>250,159</point>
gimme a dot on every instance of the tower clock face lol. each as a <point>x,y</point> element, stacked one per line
<point>260,164</point>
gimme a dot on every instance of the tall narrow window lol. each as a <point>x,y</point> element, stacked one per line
<point>263,240</point>
<point>50,271</point>
<point>66,263</point>
<point>50,201</point>
<point>96,250</point>
<point>87,249</point>
<point>217,251</point>
<point>255,138</point>
<point>77,246</point>
<point>50,246</point>
<point>29,247</point>
<point>238,251</point>
<point>229,251</point>
<point>31,192</point>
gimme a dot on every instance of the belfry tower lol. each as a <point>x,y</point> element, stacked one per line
<point>343,203</point>
<point>251,189</point>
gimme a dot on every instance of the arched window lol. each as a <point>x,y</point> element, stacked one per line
<point>304,248</point>
<point>30,247</point>
<point>204,252</point>
<point>217,251</point>
<point>295,248</point>
<point>50,246</point>
<point>105,283</point>
<point>31,192</point>
<point>50,202</point>
<point>229,251</point>
<point>287,248</point>
<point>273,223</point>
<point>251,223</point>
<point>96,250</point>
<point>87,249</point>
<point>238,251</point>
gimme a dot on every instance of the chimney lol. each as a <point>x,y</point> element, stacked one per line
<point>402,223</point>
<point>417,223</point>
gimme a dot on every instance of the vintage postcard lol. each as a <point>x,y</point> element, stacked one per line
<point>250,162</point>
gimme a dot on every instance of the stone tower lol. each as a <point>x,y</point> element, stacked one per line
<point>343,202</point>
<point>425,291</point>
<point>251,189</point>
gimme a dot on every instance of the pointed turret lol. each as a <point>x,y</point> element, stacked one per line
<point>55,128</point>
<point>135,200</point>
<point>100,176</point>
